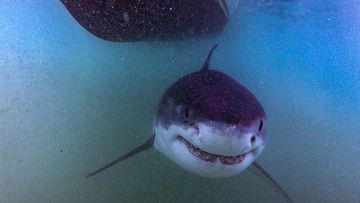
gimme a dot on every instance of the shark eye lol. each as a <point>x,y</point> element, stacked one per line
<point>186,112</point>
<point>261,125</point>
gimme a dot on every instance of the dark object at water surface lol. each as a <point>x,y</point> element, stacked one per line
<point>135,20</point>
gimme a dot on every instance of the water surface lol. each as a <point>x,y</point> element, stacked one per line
<point>71,102</point>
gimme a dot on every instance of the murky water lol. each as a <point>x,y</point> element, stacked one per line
<point>70,102</point>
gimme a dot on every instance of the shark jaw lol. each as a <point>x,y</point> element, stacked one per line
<point>208,150</point>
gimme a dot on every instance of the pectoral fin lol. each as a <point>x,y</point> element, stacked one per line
<point>260,172</point>
<point>147,145</point>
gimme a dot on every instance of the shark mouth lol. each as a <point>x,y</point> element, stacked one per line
<point>206,156</point>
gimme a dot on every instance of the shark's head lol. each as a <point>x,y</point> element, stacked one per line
<point>210,125</point>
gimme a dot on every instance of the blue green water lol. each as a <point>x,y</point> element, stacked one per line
<point>70,102</point>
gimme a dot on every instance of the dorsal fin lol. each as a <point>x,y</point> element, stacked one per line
<point>206,64</point>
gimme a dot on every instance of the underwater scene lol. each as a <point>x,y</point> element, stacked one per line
<point>249,101</point>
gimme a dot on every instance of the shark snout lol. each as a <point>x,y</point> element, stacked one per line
<point>219,139</point>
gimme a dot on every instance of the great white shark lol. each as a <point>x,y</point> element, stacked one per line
<point>210,125</point>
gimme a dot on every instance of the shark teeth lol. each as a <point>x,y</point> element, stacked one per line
<point>206,156</point>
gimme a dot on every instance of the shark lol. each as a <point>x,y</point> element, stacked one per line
<point>210,125</point>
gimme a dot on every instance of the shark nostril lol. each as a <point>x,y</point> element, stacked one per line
<point>253,139</point>
<point>197,130</point>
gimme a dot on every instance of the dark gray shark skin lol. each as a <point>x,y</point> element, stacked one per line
<point>208,96</point>
<point>134,20</point>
